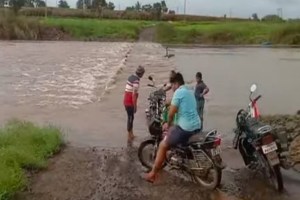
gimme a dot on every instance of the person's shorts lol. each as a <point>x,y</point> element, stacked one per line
<point>178,136</point>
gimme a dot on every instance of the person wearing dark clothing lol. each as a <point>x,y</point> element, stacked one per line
<point>201,89</point>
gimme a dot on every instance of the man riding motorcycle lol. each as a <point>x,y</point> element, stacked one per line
<point>184,105</point>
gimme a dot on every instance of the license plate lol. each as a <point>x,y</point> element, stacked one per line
<point>215,151</point>
<point>269,147</point>
<point>273,158</point>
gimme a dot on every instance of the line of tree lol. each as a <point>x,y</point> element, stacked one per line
<point>271,17</point>
<point>95,4</point>
<point>157,9</point>
<point>16,5</point>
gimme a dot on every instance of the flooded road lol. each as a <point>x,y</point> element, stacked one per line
<point>79,87</point>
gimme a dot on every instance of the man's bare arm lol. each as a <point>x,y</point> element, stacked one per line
<point>172,112</point>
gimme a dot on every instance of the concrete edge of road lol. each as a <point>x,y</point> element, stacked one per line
<point>228,46</point>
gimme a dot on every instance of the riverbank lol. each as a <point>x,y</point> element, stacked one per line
<point>24,146</point>
<point>32,28</point>
<point>204,33</point>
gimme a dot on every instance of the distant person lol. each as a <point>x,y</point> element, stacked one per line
<point>131,97</point>
<point>201,89</point>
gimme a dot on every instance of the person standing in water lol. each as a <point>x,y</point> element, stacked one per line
<point>131,97</point>
<point>201,89</point>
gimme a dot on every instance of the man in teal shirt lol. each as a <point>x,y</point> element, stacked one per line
<point>188,122</point>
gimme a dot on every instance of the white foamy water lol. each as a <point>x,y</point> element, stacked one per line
<point>53,73</point>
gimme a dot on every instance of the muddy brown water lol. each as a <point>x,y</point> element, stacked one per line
<point>79,87</point>
<point>230,72</point>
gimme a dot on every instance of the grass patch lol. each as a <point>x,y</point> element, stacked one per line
<point>24,145</point>
<point>17,27</point>
<point>229,32</point>
<point>98,29</point>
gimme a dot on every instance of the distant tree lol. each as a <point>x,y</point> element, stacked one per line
<point>157,10</point>
<point>171,12</point>
<point>164,6</point>
<point>40,3</point>
<point>29,3</point>
<point>87,4</point>
<point>272,18</point>
<point>63,4</point>
<point>130,8</point>
<point>255,17</point>
<point>99,4</point>
<point>147,8</point>
<point>17,5</point>
<point>35,3</point>
<point>138,6</point>
<point>110,6</point>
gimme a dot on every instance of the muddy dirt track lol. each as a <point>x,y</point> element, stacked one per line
<point>104,174</point>
<point>84,174</point>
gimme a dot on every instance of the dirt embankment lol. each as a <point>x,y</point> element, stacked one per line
<point>287,125</point>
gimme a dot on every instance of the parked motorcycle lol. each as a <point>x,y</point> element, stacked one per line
<point>257,143</point>
<point>199,158</point>
<point>156,106</point>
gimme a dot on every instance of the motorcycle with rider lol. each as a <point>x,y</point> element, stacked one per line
<point>193,152</point>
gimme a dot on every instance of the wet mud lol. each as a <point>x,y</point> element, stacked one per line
<point>105,174</point>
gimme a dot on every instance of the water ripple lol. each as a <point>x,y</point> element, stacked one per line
<point>69,75</point>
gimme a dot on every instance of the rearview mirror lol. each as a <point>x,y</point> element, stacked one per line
<point>150,78</point>
<point>253,88</point>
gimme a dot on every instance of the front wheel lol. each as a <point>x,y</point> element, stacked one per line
<point>147,156</point>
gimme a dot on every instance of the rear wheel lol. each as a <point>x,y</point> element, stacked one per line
<point>204,171</point>
<point>276,178</point>
<point>273,174</point>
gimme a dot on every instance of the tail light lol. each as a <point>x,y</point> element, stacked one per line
<point>217,142</point>
<point>267,139</point>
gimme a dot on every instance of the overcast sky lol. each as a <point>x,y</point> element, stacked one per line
<point>239,8</point>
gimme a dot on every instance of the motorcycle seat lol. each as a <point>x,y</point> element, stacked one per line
<point>200,137</point>
<point>257,127</point>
